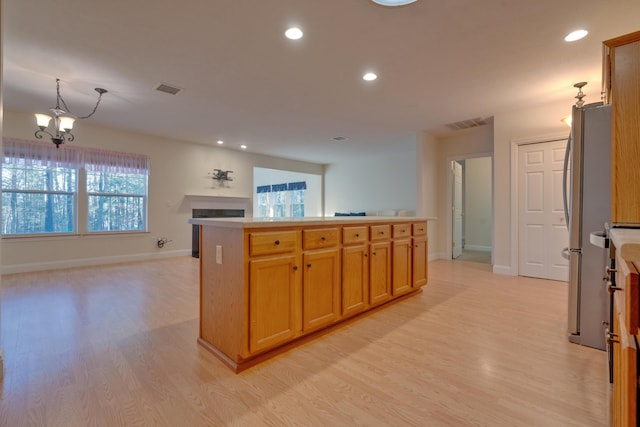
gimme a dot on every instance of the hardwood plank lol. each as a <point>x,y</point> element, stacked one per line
<point>116,345</point>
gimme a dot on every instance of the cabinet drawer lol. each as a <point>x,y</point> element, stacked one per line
<point>420,229</point>
<point>401,230</point>
<point>272,242</point>
<point>320,238</point>
<point>380,232</point>
<point>351,235</point>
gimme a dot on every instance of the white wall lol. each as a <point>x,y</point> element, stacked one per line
<point>372,183</point>
<point>176,169</point>
<point>477,203</point>
<point>537,121</point>
<point>428,183</point>
<point>312,195</point>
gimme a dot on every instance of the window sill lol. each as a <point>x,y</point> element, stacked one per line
<point>70,236</point>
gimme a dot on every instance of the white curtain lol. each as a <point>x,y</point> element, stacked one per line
<point>40,154</point>
<point>93,159</point>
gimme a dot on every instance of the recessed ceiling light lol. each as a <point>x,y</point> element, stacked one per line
<point>293,33</point>
<point>393,2</point>
<point>220,142</point>
<point>576,35</point>
<point>369,77</point>
<point>244,147</point>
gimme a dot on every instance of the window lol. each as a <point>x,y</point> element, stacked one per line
<point>281,200</point>
<point>116,201</point>
<point>38,198</point>
<point>44,186</point>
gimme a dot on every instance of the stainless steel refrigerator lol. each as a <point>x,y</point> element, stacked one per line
<point>588,208</point>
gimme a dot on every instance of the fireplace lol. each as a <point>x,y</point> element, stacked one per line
<point>209,213</point>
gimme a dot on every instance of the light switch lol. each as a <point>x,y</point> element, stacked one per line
<point>218,254</point>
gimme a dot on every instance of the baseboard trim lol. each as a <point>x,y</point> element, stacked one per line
<point>87,262</point>
<point>504,269</point>
<point>433,257</point>
<point>478,248</point>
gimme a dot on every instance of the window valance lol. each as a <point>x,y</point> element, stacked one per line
<point>93,159</point>
<point>291,186</point>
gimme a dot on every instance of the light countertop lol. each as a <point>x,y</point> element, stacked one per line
<point>627,242</point>
<point>250,222</point>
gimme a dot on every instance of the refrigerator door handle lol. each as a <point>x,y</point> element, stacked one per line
<point>565,173</point>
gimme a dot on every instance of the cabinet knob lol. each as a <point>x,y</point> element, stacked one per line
<point>357,235</point>
<point>295,268</point>
<point>373,253</point>
<point>309,265</point>
<point>277,242</point>
<point>366,255</point>
<point>323,238</point>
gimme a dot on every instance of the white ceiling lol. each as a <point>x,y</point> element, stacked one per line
<point>438,61</point>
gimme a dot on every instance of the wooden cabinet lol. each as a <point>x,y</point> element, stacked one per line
<point>379,272</point>
<point>625,316</point>
<point>321,279</point>
<point>621,81</point>
<point>625,383</point>
<point>272,301</point>
<point>420,264</point>
<point>264,287</point>
<point>355,270</point>
<point>401,256</point>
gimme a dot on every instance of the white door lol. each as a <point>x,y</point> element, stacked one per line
<point>542,232</point>
<point>456,169</point>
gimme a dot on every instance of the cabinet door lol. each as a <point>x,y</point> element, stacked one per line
<point>401,266</point>
<point>380,273</point>
<point>320,289</point>
<point>272,301</point>
<point>355,279</point>
<point>420,263</point>
<point>625,386</point>
<point>625,150</point>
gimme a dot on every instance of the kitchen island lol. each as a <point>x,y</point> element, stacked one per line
<point>268,284</point>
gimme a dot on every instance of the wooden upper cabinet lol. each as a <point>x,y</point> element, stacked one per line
<point>621,88</point>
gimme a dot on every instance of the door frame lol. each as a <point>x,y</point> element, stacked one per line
<point>450,183</point>
<point>515,146</point>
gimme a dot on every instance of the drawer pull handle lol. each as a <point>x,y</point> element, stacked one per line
<point>382,233</point>
<point>277,242</point>
<point>323,238</point>
<point>611,288</point>
<point>610,337</point>
<point>357,235</point>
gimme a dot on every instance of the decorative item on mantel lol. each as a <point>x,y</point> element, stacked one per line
<point>62,119</point>
<point>221,176</point>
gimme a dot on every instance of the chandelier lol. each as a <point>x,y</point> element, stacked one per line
<point>62,119</point>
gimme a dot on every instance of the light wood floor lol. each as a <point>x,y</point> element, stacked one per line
<point>116,345</point>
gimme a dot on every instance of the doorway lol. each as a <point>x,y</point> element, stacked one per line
<point>471,195</point>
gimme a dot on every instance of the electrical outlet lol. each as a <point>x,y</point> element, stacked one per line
<point>218,254</point>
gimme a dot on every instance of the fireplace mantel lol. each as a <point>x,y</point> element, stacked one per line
<point>217,197</point>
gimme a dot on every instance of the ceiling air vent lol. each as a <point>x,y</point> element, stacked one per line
<point>167,88</point>
<point>466,124</point>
